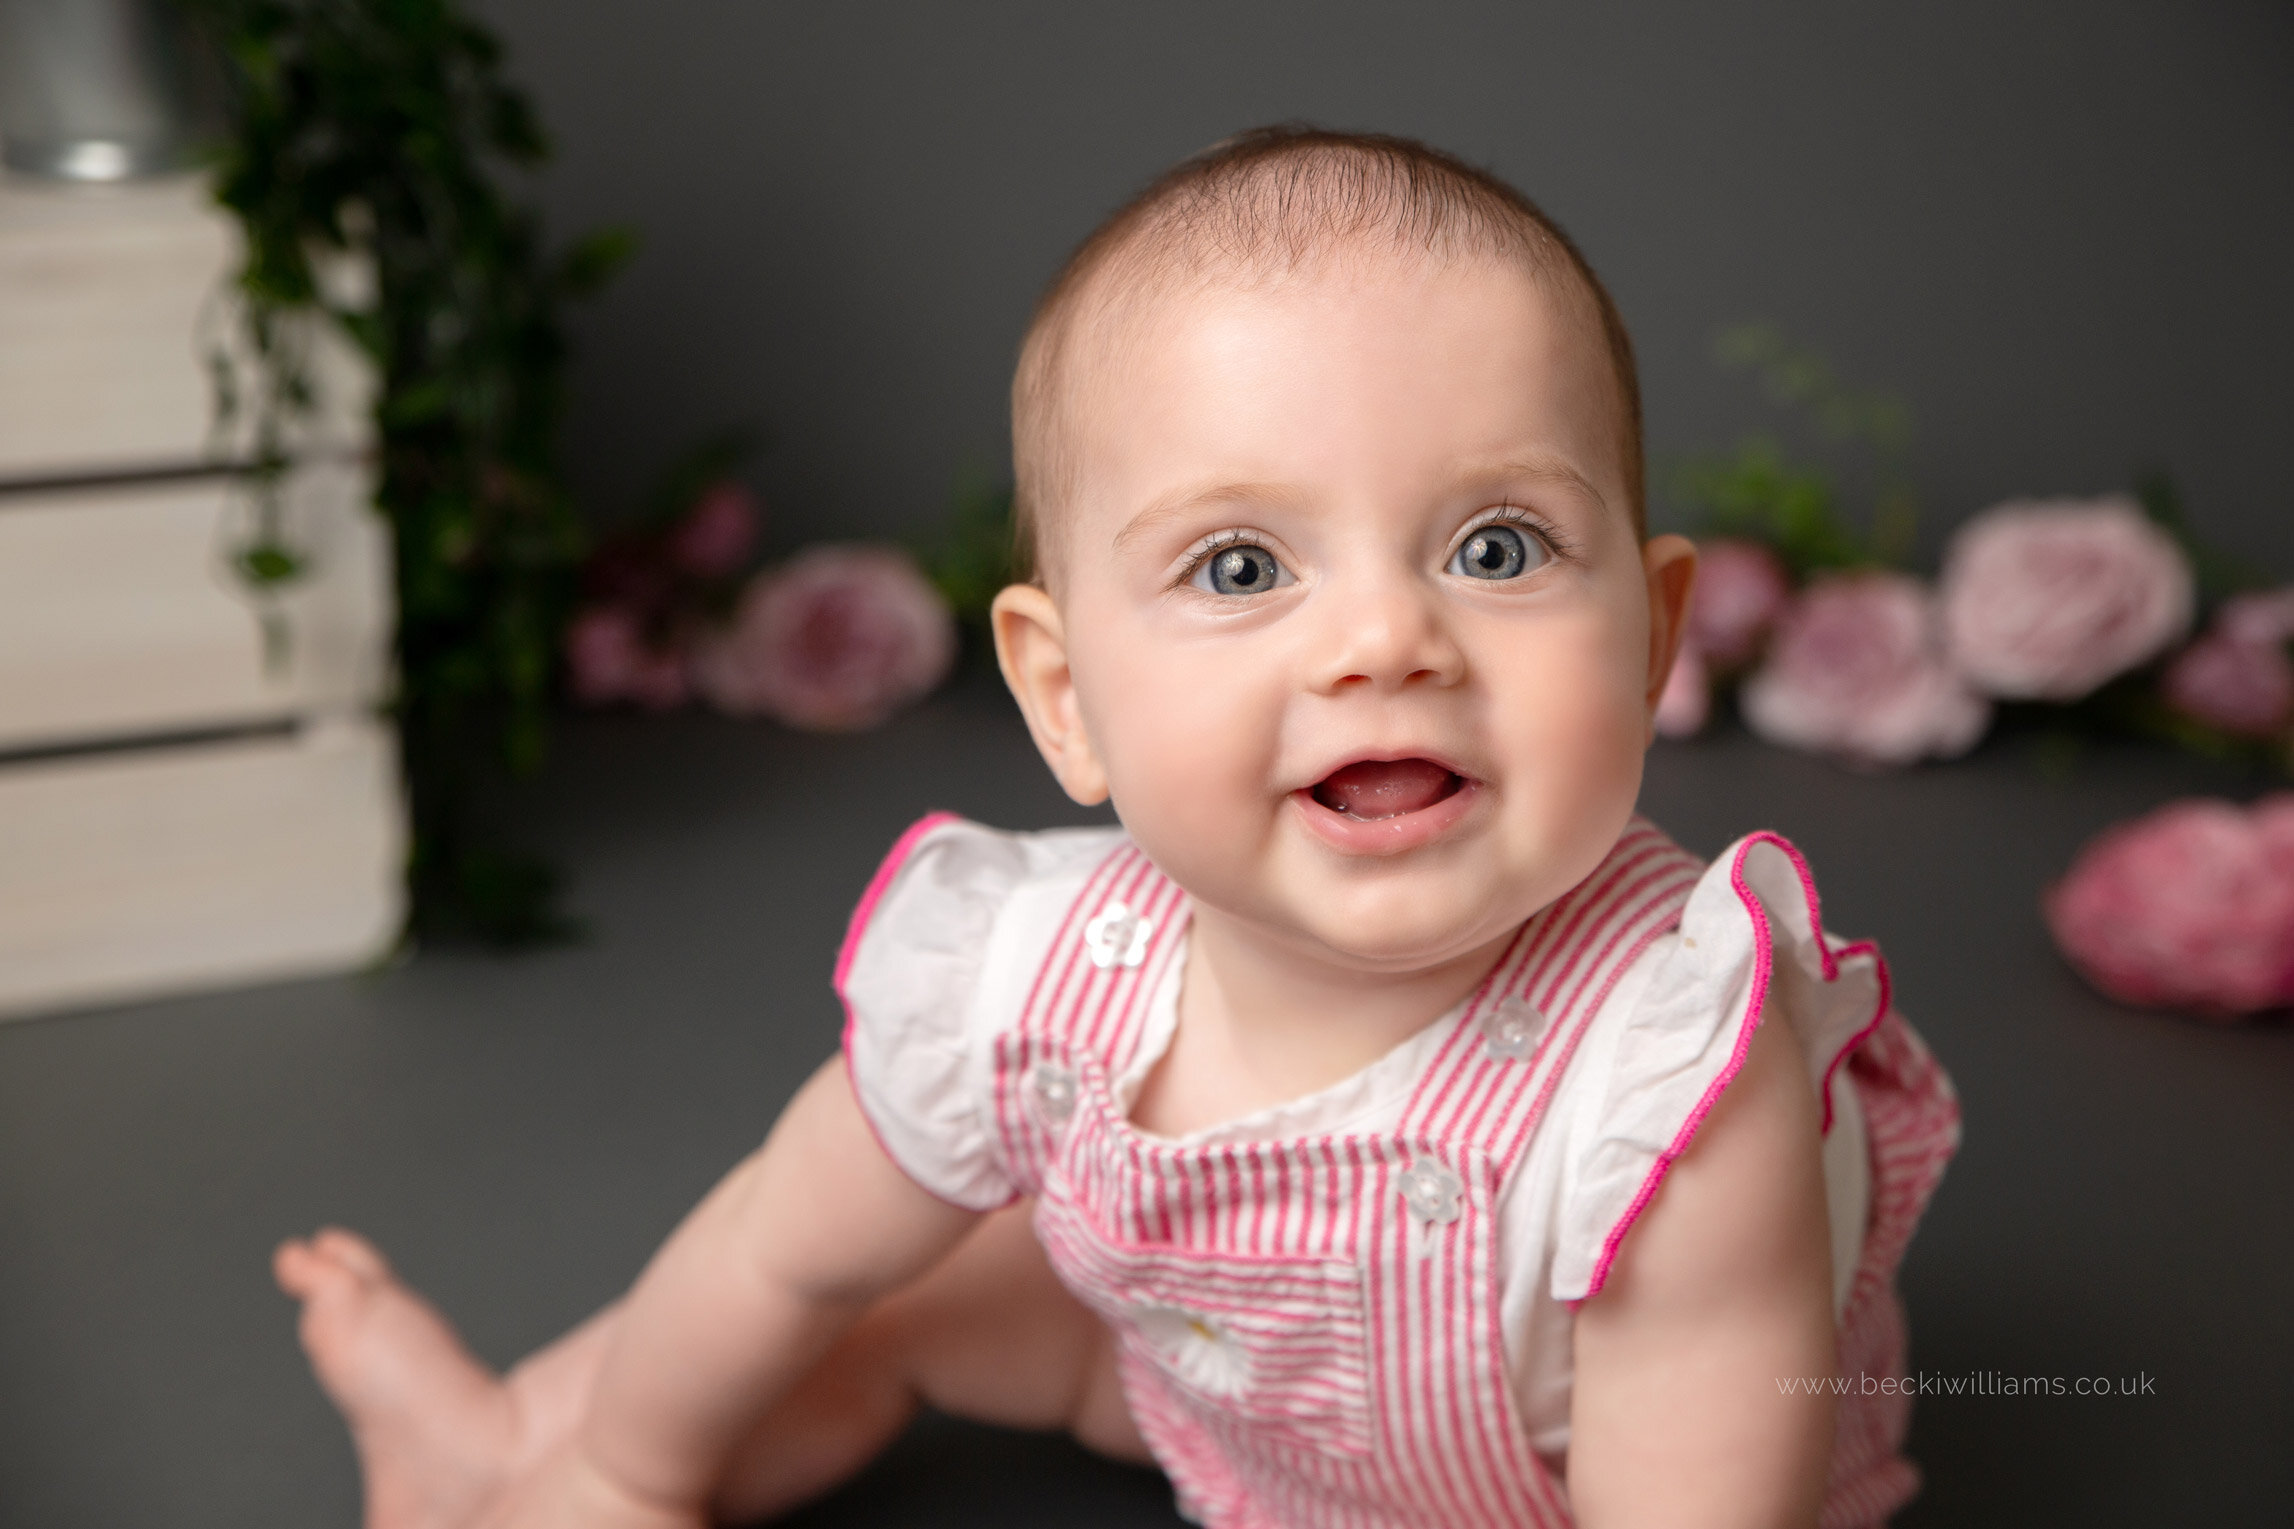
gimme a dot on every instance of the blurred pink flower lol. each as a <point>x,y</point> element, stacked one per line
<point>2266,620</point>
<point>2189,907</point>
<point>2044,600</point>
<point>1687,702</point>
<point>716,536</point>
<point>837,638</point>
<point>1740,588</point>
<point>1855,668</point>
<point>608,659</point>
<point>2246,688</point>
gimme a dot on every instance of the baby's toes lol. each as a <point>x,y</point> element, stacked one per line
<point>306,1270</point>
<point>353,1252</point>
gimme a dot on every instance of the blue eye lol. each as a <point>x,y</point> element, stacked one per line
<point>1242,569</point>
<point>1497,552</point>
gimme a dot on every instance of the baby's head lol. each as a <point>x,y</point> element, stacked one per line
<point>1328,457</point>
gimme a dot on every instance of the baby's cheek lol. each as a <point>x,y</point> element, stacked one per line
<point>1181,751</point>
<point>1579,724</point>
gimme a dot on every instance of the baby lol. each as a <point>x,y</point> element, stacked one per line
<point>1384,1127</point>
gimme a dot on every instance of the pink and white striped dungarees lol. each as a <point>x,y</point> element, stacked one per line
<point>1309,1329</point>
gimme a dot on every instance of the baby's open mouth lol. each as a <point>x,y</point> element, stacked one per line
<point>1372,789</point>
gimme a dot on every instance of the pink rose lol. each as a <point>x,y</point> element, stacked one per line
<point>839,637</point>
<point>1687,702</point>
<point>716,536</point>
<point>608,659</point>
<point>1856,668</point>
<point>2046,599</point>
<point>1739,590</point>
<point>2189,907</point>
<point>2243,688</point>
<point>2265,620</point>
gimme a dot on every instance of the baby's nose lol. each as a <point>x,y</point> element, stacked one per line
<point>1386,635</point>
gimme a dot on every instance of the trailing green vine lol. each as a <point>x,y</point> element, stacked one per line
<point>374,131</point>
<point>1761,492</point>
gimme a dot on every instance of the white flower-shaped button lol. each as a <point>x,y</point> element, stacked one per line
<point>1051,1090</point>
<point>1117,937</point>
<point>1433,1192</point>
<point>1435,1197</point>
<point>1199,1348</point>
<point>1510,1029</point>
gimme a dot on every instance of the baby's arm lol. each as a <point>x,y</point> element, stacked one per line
<point>745,1295</point>
<point>1686,1413</point>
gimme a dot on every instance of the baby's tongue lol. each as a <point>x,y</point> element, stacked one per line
<point>1385,788</point>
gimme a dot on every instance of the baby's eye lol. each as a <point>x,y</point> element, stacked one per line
<point>1242,569</point>
<point>1498,552</point>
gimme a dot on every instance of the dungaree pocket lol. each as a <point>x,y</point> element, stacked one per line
<point>1268,1344</point>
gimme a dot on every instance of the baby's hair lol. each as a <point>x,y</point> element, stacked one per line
<point>1261,204</point>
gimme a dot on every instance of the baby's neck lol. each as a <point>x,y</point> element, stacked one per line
<point>1261,1024</point>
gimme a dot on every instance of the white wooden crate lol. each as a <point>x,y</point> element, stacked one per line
<point>120,617</point>
<point>149,871</point>
<point>134,862</point>
<point>107,314</point>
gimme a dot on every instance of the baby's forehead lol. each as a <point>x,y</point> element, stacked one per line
<point>1157,333</point>
<point>1149,308</point>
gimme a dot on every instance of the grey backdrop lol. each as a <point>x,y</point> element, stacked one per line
<point>2062,231</point>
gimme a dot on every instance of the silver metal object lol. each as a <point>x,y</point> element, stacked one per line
<point>96,90</point>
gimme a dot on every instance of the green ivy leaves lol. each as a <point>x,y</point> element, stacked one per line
<point>375,129</point>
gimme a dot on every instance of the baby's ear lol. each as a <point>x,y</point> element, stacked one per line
<point>1671,565</point>
<point>1031,648</point>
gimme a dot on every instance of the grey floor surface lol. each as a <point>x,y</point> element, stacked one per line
<point>518,1133</point>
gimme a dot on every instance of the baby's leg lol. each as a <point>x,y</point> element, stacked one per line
<point>989,1334</point>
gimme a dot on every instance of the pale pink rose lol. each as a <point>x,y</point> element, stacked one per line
<point>1856,668</point>
<point>2266,620</point>
<point>2189,907</point>
<point>839,637</point>
<point>608,659</point>
<point>2244,688</point>
<point>1687,702</point>
<point>2045,599</point>
<point>2272,819</point>
<point>716,536</point>
<point>1740,588</point>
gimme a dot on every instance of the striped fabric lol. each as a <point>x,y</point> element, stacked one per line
<point>1912,1117</point>
<point>1309,1328</point>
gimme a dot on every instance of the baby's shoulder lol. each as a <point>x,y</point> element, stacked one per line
<point>948,879</point>
<point>1749,949</point>
<point>936,960</point>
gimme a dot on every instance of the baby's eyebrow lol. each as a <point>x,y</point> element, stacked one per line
<point>1542,467</point>
<point>1187,501</point>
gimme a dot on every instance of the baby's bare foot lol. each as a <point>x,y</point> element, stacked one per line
<point>433,1427</point>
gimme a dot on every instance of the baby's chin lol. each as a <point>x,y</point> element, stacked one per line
<point>1399,927</point>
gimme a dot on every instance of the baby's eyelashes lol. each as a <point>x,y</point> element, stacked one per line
<point>1506,547</point>
<point>1239,568</point>
<point>1238,565</point>
<point>1497,552</point>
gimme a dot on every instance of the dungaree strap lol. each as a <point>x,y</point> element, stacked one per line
<point>1498,1070</point>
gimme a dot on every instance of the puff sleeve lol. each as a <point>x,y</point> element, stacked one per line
<point>910,976</point>
<point>1751,941</point>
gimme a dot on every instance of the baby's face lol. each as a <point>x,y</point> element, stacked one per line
<point>1354,623</point>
